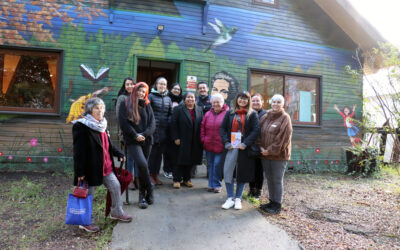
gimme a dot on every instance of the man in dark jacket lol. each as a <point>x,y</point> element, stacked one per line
<point>203,100</point>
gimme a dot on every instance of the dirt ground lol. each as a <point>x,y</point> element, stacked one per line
<point>32,213</point>
<point>329,211</point>
<point>335,211</point>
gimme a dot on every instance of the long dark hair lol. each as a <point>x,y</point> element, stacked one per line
<point>175,98</point>
<point>235,105</point>
<point>133,103</point>
<point>122,90</point>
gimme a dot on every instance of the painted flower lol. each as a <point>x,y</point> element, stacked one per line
<point>337,161</point>
<point>29,159</point>
<point>59,150</point>
<point>1,153</point>
<point>317,150</point>
<point>33,142</point>
<point>326,162</point>
<point>298,162</point>
<point>45,159</point>
<point>10,157</point>
<point>290,162</point>
<point>316,162</point>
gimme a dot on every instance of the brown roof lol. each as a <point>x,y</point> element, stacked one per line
<point>352,23</point>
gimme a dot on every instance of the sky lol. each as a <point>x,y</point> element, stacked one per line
<point>384,15</point>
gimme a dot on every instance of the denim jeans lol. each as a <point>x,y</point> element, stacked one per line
<point>230,189</point>
<point>215,162</point>
<point>132,166</point>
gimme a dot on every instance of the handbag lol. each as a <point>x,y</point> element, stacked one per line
<point>79,210</point>
<point>253,151</point>
<point>81,190</point>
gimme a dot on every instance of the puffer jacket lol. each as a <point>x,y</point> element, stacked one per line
<point>162,109</point>
<point>209,133</point>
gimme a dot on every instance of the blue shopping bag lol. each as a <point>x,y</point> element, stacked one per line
<point>79,210</point>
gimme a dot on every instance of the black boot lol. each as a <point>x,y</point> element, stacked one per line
<point>257,194</point>
<point>142,200</point>
<point>149,195</point>
<point>267,205</point>
<point>275,208</point>
<point>252,192</point>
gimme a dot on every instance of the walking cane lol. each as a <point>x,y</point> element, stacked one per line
<point>126,168</point>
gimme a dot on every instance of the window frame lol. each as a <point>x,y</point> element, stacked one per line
<point>259,2</point>
<point>318,108</point>
<point>56,110</point>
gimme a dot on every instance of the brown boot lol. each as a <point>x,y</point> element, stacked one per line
<point>132,185</point>
<point>152,179</point>
<point>158,182</point>
<point>136,181</point>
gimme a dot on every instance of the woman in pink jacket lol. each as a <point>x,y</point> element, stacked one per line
<point>211,139</point>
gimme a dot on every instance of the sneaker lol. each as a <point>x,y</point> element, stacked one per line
<point>177,185</point>
<point>238,204</point>
<point>90,228</point>
<point>123,218</point>
<point>210,189</point>
<point>166,174</point>
<point>188,184</point>
<point>218,190</point>
<point>228,203</point>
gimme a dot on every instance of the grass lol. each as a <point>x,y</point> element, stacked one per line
<point>33,214</point>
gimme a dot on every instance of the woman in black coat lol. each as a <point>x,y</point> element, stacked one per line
<point>137,123</point>
<point>93,158</point>
<point>257,102</point>
<point>186,123</point>
<point>172,150</point>
<point>162,108</point>
<point>243,122</point>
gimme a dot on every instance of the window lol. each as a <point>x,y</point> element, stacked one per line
<point>266,2</point>
<point>301,94</point>
<point>29,81</point>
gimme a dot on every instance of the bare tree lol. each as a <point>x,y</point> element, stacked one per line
<point>380,69</point>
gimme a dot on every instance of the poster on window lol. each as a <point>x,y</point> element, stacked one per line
<point>191,83</point>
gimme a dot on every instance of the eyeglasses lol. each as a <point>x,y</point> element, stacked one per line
<point>176,89</point>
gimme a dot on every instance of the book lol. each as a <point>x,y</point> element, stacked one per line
<point>236,139</point>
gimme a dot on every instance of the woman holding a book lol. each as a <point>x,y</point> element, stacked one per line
<point>238,131</point>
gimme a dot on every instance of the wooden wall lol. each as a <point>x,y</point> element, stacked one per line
<point>295,37</point>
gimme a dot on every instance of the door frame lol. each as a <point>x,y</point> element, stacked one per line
<point>137,57</point>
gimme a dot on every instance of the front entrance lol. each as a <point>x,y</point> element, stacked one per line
<point>148,71</point>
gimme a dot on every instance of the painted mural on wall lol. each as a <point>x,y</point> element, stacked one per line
<point>225,34</point>
<point>225,84</point>
<point>96,44</point>
<point>78,106</point>
<point>21,21</point>
<point>348,121</point>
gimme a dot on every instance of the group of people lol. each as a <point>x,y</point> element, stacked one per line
<point>160,126</point>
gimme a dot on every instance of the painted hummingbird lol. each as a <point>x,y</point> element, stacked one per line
<point>224,34</point>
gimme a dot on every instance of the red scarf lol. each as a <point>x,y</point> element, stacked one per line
<point>235,124</point>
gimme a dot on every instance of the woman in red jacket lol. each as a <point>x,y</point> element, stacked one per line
<point>211,139</point>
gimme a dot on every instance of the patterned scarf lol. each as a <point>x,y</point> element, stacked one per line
<point>91,122</point>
